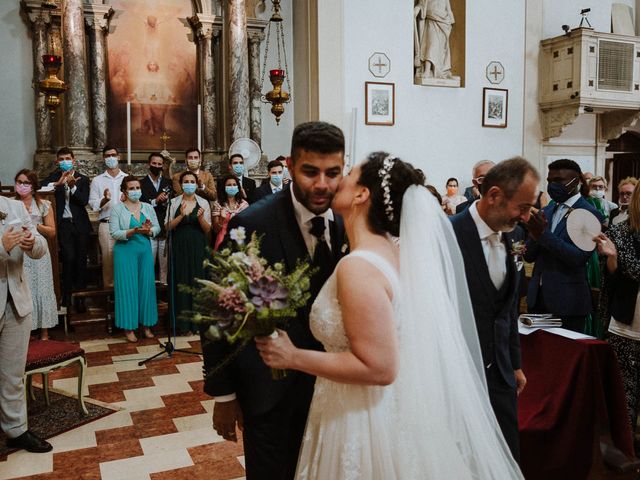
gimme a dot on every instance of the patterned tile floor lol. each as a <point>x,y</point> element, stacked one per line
<point>163,430</point>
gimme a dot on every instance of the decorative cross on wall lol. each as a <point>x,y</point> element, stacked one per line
<point>165,138</point>
<point>495,73</point>
<point>379,64</point>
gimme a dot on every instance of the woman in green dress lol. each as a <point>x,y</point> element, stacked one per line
<point>188,223</point>
<point>132,224</point>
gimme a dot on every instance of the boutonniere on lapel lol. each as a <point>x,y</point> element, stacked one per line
<point>345,247</point>
<point>518,249</point>
<point>3,216</point>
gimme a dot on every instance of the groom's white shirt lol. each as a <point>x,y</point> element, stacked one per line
<point>303,217</point>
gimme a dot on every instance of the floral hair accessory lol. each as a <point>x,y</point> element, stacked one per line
<point>385,174</point>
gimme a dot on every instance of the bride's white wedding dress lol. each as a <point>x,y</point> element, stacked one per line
<point>435,421</point>
<point>346,435</point>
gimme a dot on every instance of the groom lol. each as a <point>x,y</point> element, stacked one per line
<point>296,224</point>
<point>488,235</point>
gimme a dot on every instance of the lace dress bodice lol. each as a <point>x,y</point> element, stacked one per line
<point>325,320</point>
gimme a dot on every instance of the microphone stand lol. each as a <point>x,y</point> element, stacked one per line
<point>168,347</point>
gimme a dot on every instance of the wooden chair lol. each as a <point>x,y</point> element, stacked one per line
<point>45,356</point>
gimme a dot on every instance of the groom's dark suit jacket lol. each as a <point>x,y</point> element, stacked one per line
<point>495,311</point>
<point>247,375</point>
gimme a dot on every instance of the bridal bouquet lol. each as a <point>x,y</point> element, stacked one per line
<point>244,297</point>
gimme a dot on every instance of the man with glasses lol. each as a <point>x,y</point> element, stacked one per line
<point>625,190</point>
<point>472,194</point>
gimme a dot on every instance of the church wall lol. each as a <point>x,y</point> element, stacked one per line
<point>17,123</point>
<point>437,129</point>
<point>567,12</point>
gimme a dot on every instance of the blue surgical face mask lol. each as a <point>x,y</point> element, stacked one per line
<point>189,188</point>
<point>134,195</point>
<point>111,162</point>
<point>238,169</point>
<point>276,180</point>
<point>231,190</point>
<point>65,165</point>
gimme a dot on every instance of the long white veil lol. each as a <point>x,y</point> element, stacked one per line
<point>445,424</point>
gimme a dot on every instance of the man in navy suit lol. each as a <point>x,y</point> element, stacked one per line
<point>73,225</point>
<point>488,233</point>
<point>296,224</point>
<point>559,282</point>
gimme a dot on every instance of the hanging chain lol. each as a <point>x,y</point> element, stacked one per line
<point>286,66</point>
<point>266,55</point>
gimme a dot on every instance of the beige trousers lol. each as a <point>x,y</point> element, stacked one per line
<point>106,251</point>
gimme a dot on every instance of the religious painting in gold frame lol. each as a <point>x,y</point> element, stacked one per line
<point>152,64</point>
<point>380,103</point>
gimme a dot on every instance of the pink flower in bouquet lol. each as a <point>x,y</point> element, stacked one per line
<point>256,270</point>
<point>268,293</point>
<point>231,299</point>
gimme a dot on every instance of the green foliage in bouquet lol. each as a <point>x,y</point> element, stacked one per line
<point>242,295</point>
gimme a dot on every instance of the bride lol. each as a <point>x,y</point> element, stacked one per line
<point>400,392</point>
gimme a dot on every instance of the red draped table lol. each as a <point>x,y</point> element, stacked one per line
<point>574,394</point>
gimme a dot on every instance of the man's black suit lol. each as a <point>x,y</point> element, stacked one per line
<point>249,185</point>
<point>496,316</point>
<point>263,190</point>
<point>150,193</point>
<point>275,412</point>
<point>73,234</point>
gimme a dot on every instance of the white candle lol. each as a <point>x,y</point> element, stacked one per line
<point>129,133</point>
<point>199,127</point>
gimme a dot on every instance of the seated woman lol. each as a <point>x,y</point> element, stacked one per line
<point>230,202</point>
<point>132,225</point>
<point>188,225</point>
<point>39,272</point>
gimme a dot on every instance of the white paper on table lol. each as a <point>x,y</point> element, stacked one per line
<point>563,332</point>
<point>48,188</point>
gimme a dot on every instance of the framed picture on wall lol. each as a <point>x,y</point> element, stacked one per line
<point>495,106</point>
<point>380,103</point>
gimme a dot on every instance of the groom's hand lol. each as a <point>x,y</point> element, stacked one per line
<point>225,417</point>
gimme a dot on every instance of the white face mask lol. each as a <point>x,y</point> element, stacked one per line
<point>597,193</point>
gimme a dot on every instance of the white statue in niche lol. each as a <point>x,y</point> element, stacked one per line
<point>433,23</point>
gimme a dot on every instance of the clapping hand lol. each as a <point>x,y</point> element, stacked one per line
<point>12,237</point>
<point>276,350</point>
<point>200,212</point>
<point>145,229</point>
<point>71,180</point>
<point>537,224</point>
<point>106,194</point>
<point>161,198</point>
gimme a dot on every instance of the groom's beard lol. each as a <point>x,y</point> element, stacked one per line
<point>316,201</point>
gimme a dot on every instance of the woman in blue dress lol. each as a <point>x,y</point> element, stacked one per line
<point>132,224</point>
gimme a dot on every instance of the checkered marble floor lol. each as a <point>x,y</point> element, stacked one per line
<point>162,431</point>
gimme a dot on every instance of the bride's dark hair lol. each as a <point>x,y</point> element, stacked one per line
<point>402,175</point>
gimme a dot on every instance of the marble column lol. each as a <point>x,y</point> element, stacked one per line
<point>77,123</point>
<point>97,19</point>
<point>255,39</point>
<point>40,21</point>
<point>205,33</point>
<point>238,68</point>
